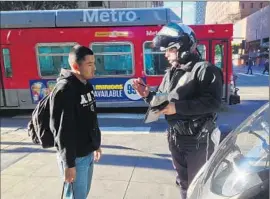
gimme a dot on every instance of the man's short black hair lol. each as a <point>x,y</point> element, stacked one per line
<point>79,52</point>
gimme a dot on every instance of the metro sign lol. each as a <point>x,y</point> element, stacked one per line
<point>108,16</point>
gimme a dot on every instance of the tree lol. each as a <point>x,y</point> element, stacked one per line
<point>235,48</point>
<point>37,5</point>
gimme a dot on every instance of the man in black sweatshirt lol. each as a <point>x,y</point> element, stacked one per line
<point>74,123</point>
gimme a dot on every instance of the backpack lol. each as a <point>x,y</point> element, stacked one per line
<point>39,126</point>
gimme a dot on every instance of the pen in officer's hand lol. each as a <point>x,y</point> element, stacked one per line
<point>142,84</point>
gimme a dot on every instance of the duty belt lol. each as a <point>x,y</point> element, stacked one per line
<point>196,127</point>
<point>199,128</point>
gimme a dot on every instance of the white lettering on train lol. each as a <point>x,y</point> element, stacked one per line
<point>107,16</point>
<point>108,93</point>
<point>151,33</point>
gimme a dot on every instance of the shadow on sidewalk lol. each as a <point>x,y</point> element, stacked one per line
<point>26,150</point>
<point>160,162</point>
<point>127,148</point>
<point>136,161</point>
<point>13,122</point>
<point>18,143</point>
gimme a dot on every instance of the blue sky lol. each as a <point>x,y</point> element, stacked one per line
<point>188,10</point>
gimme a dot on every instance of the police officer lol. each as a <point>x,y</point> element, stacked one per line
<point>194,89</point>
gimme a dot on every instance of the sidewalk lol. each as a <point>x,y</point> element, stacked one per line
<point>132,167</point>
<point>255,69</point>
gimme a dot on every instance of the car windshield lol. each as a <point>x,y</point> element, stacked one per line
<point>242,161</point>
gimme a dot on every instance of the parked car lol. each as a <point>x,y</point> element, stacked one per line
<point>239,169</point>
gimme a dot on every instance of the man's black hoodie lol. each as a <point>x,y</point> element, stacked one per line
<point>74,118</point>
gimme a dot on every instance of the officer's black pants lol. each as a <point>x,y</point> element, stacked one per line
<point>188,158</point>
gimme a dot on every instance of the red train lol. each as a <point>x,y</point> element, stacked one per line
<point>35,46</point>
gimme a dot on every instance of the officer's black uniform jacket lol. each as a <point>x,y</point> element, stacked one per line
<point>196,89</point>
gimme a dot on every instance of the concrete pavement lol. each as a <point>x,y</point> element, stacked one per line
<point>252,87</point>
<point>132,166</point>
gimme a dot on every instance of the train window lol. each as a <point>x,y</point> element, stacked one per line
<point>7,62</point>
<point>202,50</point>
<point>219,54</point>
<point>113,59</point>
<point>53,57</point>
<point>155,62</point>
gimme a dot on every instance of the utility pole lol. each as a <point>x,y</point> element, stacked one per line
<point>182,11</point>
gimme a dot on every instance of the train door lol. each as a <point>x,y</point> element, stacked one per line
<point>216,51</point>
<point>9,97</point>
<point>220,58</point>
<point>204,49</point>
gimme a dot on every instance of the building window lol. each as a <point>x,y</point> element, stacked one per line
<point>113,59</point>
<point>7,62</point>
<point>157,3</point>
<point>243,6</point>
<point>53,57</point>
<point>155,62</point>
<point>95,3</point>
<point>251,5</point>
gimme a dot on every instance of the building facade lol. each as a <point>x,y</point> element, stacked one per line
<point>252,34</point>
<point>231,12</point>
<point>257,29</point>
<point>200,10</point>
<point>119,4</point>
<point>248,7</point>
